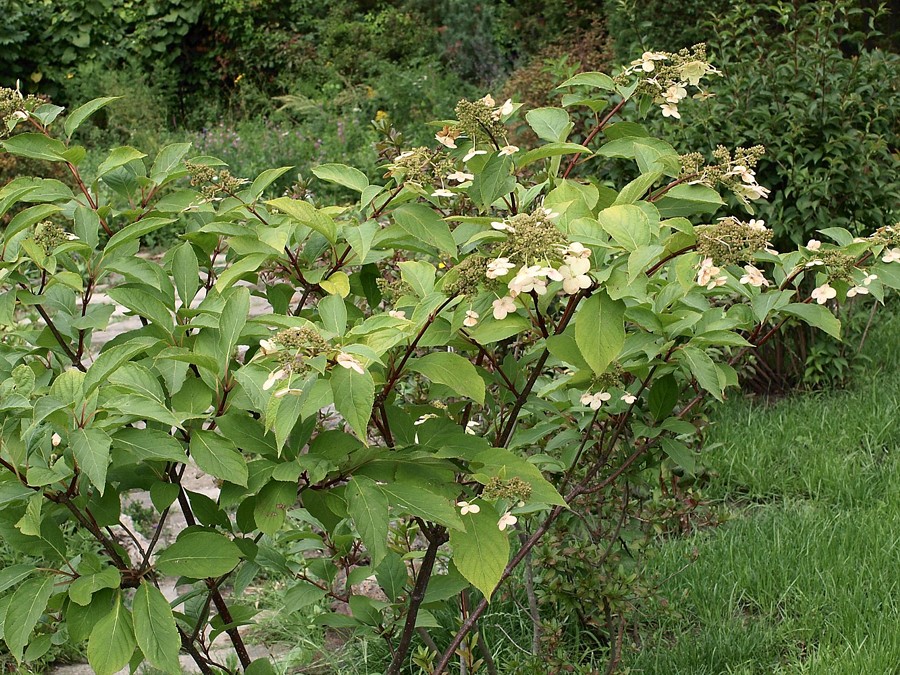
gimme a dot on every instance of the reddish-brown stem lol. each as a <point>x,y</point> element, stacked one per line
<point>593,133</point>
<point>415,600</point>
<point>396,372</point>
<point>675,254</point>
<point>61,341</point>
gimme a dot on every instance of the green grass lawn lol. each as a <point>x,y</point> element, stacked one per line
<point>805,578</point>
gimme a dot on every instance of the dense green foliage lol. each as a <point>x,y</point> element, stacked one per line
<point>475,342</point>
<point>460,350</point>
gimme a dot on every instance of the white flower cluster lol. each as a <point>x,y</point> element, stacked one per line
<point>748,188</point>
<point>710,275</point>
<point>754,277</point>
<point>671,93</point>
<point>573,274</point>
<point>596,401</point>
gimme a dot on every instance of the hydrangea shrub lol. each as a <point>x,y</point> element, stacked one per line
<point>450,357</point>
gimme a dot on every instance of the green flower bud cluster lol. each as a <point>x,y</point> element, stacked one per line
<point>512,490</point>
<point>533,238</point>
<point>217,182</point>
<point>299,344</point>
<point>889,235</point>
<point>413,165</point>
<point>49,235</point>
<point>13,105</point>
<point>469,273</point>
<point>302,339</point>
<point>731,241</point>
<point>479,118</point>
<point>393,288</point>
<point>734,172</point>
<point>840,265</point>
<point>612,378</point>
<point>658,71</point>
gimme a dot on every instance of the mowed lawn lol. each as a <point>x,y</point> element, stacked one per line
<point>805,577</point>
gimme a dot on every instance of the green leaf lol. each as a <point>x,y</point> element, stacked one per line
<point>167,161</point>
<point>300,595</point>
<point>333,313</point>
<point>354,395</point>
<point>145,304</point>
<point>35,146</point>
<point>453,371</point>
<point>600,330</point>
<point>839,235</point>
<point>338,283</point>
<point>14,575</point>
<point>368,507</point>
<point>133,232</point>
<point>77,117</point>
<point>249,264</point>
<point>28,217</point>
<point>265,179</point>
<point>392,576</point>
<point>272,503</point>
<point>112,641</point>
<point>679,453</point>
<point>342,175</point>
<point>308,215</point>
<point>360,238</point>
<point>25,610</point>
<point>110,360</point>
<point>637,188</point>
<point>150,445</point>
<point>651,154</point>
<point>186,273</point>
<point>119,157</point>
<point>261,666</point>
<point>231,323</point>
<point>487,332</point>
<point>199,555</point>
<point>163,495</point>
<point>704,370</point>
<point>551,150</point>
<point>502,462</point>
<point>550,124</point>
<point>481,552</point>
<point>640,259</point>
<point>663,397</point>
<point>30,522</point>
<point>423,503</point>
<point>91,449</point>
<point>419,275</point>
<point>817,316</point>
<point>492,182</point>
<point>627,224</point>
<point>592,79</point>
<point>155,630</point>
<point>83,588</point>
<point>423,224</point>
<point>217,455</point>
<point>689,200</point>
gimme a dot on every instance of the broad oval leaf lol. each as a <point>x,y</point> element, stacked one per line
<point>112,641</point>
<point>600,331</point>
<point>453,371</point>
<point>155,630</point>
<point>199,555</point>
<point>481,551</point>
